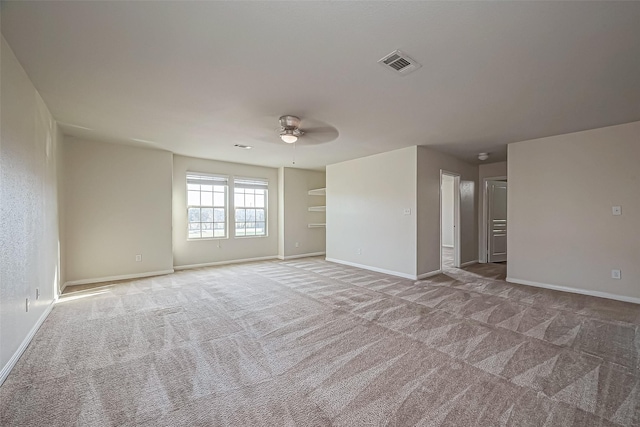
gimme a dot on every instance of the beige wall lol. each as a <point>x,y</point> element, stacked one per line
<point>561,228</point>
<point>366,199</point>
<point>488,170</point>
<point>295,216</point>
<point>117,205</point>
<point>211,251</point>
<point>29,217</point>
<point>430,163</point>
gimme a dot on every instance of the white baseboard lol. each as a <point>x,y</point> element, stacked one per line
<point>114,278</point>
<point>376,269</point>
<point>232,261</point>
<point>468,263</point>
<point>6,369</point>
<point>429,274</point>
<point>284,258</point>
<point>574,290</point>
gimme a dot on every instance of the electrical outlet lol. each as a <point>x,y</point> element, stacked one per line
<point>358,251</point>
<point>218,245</point>
<point>297,245</point>
<point>139,258</point>
<point>26,305</point>
<point>407,211</point>
<point>616,210</point>
<point>616,274</point>
<point>37,293</point>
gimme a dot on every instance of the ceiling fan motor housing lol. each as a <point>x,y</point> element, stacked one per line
<point>289,126</point>
<point>289,122</point>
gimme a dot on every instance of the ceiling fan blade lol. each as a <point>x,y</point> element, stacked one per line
<point>319,135</point>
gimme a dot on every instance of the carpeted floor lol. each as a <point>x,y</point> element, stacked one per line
<point>311,343</point>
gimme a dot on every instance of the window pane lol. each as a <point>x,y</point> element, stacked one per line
<point>206,214</point>
<point>218,188</point>
<point>259,214</point>
<point>194,214</point>
<point>251,215</point>
<point>260,201</point>
<point>218,199</point>
<point>238,199</point>
<point>193,198</point>
<point>194,226</point>
<point>194,234</point>
<point>207,233</point>
<point>240,229</point>
<point>240,215</point>
<point>260,228</point>
<point>218,215</point>
<point>207,226</point>
<point>218,233</point>
<point>206,187</point>
<point>218,226</point>
<point>207,198</point>
<point>193,186</point>
<point>250,200</point>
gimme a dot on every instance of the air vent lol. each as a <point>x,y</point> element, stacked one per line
<point>400,62</point>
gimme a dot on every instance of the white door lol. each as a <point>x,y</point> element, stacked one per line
<point>497,221</point>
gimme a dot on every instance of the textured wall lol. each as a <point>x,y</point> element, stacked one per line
<point>117,205</point>
<point>366,199</point>
<point>28,207</point>
<point>561,228</point>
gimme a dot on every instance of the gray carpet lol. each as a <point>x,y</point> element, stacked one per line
<point>311,343</point>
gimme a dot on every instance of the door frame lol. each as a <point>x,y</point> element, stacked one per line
<point>456,216</point>
<point>484,236</point>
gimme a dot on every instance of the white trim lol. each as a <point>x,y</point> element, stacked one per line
<point>468,263</point>
<point>574,290</point>
<point>429,274</point>
<point>447,246</point>
<point>231,261</point>
<point>6,369</point>
<point>284,258</point>
<point>114,278</point>
<point>62,289</point>
<point>376,269</point>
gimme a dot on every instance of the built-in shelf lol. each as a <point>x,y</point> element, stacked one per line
<point>317,225</point>
<point>317,208</point>
<point>318,192</point>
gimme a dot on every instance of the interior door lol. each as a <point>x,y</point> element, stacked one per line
<point>497,221</point>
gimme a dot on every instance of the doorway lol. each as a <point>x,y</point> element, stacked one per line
<point>495,223</point>
<point>449,220</point>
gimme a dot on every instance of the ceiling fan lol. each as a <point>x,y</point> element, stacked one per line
<point>314,133</point>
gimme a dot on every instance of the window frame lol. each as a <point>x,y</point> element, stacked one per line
<point>256,184</point>
<point>213,180</point>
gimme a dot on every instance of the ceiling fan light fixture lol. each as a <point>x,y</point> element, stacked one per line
<point>288,137</point>
<point>483,156</point>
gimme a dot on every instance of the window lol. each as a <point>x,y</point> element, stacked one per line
<point>250,203</point>
<point>206,206</point>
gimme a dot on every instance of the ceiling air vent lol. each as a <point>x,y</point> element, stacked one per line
<point>400,62</point>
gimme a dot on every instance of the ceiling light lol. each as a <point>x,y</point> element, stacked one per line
<point>246,147</point>
<point>288,136</point>
<point>483,156</point>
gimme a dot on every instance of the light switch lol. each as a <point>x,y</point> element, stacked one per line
<point>617,210</point>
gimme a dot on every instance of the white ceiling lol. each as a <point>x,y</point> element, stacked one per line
<point>197,78</point>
